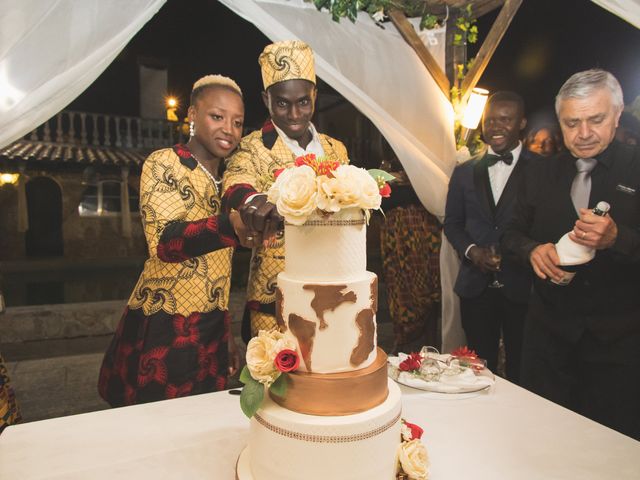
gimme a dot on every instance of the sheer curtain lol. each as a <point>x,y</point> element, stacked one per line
<point>382,76</point>
<point>628,10</point>
<point>51,51</point>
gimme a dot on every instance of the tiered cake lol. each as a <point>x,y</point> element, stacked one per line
<point>340,416</point>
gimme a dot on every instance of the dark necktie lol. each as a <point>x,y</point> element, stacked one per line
<point>581,186</point>
<point>493,159</point>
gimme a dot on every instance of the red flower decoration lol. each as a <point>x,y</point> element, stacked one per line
<point>308,159</point>
<point>416,431</point>
<point>464,352</point>
<point>321,167</point>
<point>385,190</point>
<point>287,360</point>
<point>412,363</point>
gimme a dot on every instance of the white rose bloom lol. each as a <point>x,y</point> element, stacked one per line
<point>406,432</point>
<point>371,198</point>
<point>294,194</point>
<point>348,188</point>
<point>413,459</point>
<point>261,353</point>
<point>328,189</point>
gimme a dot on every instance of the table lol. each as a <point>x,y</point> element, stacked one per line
<point>505,433</point>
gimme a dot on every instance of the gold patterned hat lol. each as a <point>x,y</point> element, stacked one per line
<point>288,60</point>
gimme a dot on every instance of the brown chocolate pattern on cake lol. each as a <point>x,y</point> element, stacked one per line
<point>374,294</point>
<point>328,297</point>
<point>282,326</point>
<point>367,327</point>
<point>305,332</point>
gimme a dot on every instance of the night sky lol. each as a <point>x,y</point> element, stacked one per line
<point>547,41</point>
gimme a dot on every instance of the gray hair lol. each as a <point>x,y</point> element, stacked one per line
<point>583,84</point>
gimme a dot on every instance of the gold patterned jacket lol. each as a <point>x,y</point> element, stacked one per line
<point>190,242</point>
<point>250,170</point>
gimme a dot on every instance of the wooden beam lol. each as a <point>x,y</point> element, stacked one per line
<point>489,47</point>
<point>411,37</point>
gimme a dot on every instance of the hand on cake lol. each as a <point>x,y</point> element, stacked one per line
<point>261,220</point>
<point>544,260</point>
<point>594,231</point>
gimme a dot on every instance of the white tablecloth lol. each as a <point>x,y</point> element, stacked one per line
<point>506,433</point>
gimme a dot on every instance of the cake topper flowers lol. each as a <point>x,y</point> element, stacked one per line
<point>412,458</point>
<point>269,355</point>
<point>328,186</point>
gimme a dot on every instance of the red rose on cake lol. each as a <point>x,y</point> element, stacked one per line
<point>287,360</point>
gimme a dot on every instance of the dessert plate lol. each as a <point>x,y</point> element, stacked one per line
<point>462,380</point>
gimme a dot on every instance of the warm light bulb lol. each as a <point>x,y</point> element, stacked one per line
<point>9,178</point>
<point>172,102</point>
<point>475,107</point>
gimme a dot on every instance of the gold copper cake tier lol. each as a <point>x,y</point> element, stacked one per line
<point>343,393</point>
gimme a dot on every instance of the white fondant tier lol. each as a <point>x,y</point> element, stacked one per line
<point>345,338</point>
<point>285,445</point>
<point>327,248</point>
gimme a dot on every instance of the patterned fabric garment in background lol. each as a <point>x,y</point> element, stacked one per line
<point>410,243</point>
<point>9,411</point>
<point>172,338</point>
<point>251,169</point>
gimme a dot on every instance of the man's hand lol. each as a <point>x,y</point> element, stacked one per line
<point>544,260</point>
<point>261,219</point>
<point>481,257</point>
<point>240,229</point>
<point>594,231</point>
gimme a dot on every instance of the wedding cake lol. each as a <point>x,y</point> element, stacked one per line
<point>337,415</point>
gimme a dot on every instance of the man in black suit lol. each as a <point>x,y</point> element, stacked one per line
<point>493,293</point>
<point>582,340</point>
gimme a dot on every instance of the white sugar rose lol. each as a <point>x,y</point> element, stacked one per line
<point>370,198</point>
<point>261,353</point>
<point>294,194</point>
<point>413,459</point>
<point>347,188</point>
<point>328,193</point>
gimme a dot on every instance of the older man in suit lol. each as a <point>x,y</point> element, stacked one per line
<point>493,291</point>
<point>582,340</point>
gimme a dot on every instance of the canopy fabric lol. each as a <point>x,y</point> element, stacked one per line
<point>50,52</point>
<point>628,10</point>
<point>382,76</point>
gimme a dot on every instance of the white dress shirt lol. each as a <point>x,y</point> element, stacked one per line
<point>314,146</point>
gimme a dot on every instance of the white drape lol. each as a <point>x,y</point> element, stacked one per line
<point>51,51</point>
<point>382,76</point>
<point>628,10</point>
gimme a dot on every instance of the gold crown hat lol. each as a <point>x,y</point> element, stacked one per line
<point>288,60</point>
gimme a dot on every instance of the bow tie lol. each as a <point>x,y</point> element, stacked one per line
<point>493,159</point>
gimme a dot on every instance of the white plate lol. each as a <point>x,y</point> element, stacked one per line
<point>443,387</point>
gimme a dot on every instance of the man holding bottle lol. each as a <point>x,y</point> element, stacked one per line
<point>581,346</point>
<point>493,290</point>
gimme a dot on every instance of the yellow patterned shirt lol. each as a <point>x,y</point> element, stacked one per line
<point>190,242</point>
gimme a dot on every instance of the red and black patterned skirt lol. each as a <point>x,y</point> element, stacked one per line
<point>165,356</point>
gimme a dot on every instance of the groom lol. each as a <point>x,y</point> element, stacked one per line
<point>290,92</point>
<point>480,203</point>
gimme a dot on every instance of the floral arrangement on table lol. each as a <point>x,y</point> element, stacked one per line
<point>429,364</point>
<point>317,184</point>
<point>412,459</point>
<point>270,357</point>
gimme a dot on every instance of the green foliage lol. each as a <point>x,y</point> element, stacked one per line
<point>466,24</point>
<point>252,393</point>
<point>376,173</point>
<point>279,387</point>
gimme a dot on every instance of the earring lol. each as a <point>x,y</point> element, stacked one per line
<point>192,129</point>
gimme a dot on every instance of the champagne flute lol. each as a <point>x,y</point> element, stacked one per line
<point>496,257</point>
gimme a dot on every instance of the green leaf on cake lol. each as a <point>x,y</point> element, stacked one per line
<point>245,375</point>
<point>251,397</point>
<point>377,173</point>
<point>279,387</point>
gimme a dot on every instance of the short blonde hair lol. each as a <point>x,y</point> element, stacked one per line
<point>213,81</point>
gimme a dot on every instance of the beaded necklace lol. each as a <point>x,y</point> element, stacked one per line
<point>215,181</point>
